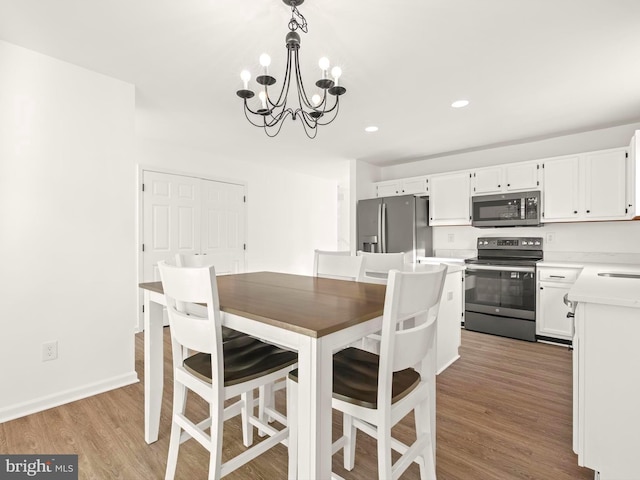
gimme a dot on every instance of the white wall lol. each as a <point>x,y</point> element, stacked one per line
<point>71,148</point>
<point>584,241</point>
<point>289,214</point>
<point>67,223</point>
<point>362,175</point>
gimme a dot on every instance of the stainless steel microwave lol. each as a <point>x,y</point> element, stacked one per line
<point>506,210</point>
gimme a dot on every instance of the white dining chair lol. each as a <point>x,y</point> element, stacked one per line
<point>340,265</point>
<point>374,392</point>
<point>193,260</point>
<point>376,270</point>
<point>217,371</point>
<point>378,265</point>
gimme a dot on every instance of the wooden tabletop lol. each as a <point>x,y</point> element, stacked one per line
<point>309,305</point>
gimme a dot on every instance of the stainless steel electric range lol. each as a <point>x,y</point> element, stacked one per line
<point>500,291</point>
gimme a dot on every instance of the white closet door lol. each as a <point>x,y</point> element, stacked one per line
<point>171,211</point>
<point>223,225</point>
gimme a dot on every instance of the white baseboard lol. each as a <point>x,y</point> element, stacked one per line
<point>43,403</point>
<point>447,365</point>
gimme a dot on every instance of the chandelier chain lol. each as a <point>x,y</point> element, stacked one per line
<point>299,22</point>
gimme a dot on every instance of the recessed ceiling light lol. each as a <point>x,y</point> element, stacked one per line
<point>371,129</point>
<point>460,103</point>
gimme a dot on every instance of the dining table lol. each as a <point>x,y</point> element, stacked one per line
<point>313,316</point>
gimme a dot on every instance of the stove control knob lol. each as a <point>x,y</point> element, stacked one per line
<point>537,242</point>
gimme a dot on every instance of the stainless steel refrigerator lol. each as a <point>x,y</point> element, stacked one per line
<point>395,224</point>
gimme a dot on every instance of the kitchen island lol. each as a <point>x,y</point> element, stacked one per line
<point>606,370</point>
<point>451,312</point>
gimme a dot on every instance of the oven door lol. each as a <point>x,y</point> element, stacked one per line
<point>501,290</point>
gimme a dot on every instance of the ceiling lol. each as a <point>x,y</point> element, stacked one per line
<point>530,68</point>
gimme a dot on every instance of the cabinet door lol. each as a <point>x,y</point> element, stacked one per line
<point>551,319</point>
<point>487,180</point>
<point>414,186</point>
<point>449,199</point>
<point>605,195</point>
<point>387,189</point>
<point>561,180</point>
<point>521,177</point>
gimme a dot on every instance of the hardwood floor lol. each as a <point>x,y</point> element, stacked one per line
<point>503,412</point>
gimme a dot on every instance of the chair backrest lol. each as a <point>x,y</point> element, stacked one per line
<point>187,285</point>
<point>409,295</point>
<point>193,260</point>
<point>340,265</point>
<point>378,265</point>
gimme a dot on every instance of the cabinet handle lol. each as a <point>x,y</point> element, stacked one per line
<point>575,211</point>
<point>541,288</point>
<point>508,185</point>
<point>498,186</point>
<point>570,315</point>
<point>556,276</point>
<point>588,211</point>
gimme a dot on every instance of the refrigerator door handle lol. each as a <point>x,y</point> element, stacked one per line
<point>384,228</point>
<point>378,245</point>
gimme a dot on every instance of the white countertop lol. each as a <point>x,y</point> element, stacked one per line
<point>453,264</point>
<point>560,264</point>
<point>593,288</point>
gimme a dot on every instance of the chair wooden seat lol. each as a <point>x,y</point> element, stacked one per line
<point>230,334</point>
<point>245,358</point>
<point>355,378</point>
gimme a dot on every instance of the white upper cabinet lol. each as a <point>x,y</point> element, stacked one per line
<point>522,176</point>
<point>590,186</point>
<point>449,199</point>
<point>505,178</point>
<point>405,186</point>
<point>487,180</point>
<point>560,177</point>
<point>605,195</point>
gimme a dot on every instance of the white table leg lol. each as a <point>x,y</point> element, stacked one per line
<point>153,367</point>
<point>314,409</point>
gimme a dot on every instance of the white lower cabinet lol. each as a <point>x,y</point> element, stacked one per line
<point>607,390</point>
<point>551,312</point>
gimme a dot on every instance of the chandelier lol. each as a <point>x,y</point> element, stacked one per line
<point>273,110</point>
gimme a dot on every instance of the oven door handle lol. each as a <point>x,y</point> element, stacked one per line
<point>500,268</point>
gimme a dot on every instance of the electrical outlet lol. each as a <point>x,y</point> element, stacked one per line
<point>49,351</point>
<point>449,296</point>
<point>550,237</point>
<point>451,237</point>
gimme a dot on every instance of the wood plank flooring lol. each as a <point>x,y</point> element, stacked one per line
<point>503,412</point>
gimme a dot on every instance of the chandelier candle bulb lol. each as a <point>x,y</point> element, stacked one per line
<point>323,63</point>
<point>265,61</point>
<point>335,73</point>
<point>245,75</point>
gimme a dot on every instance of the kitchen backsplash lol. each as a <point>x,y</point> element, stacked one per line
<point>613,242</point>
